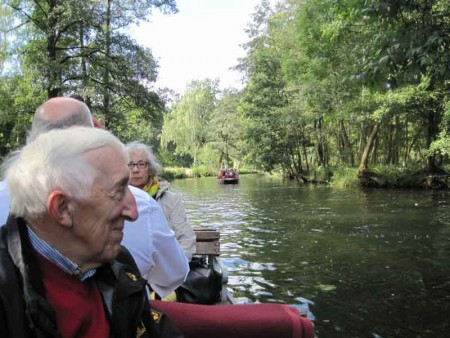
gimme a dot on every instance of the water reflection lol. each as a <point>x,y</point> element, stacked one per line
<point>372,263</point>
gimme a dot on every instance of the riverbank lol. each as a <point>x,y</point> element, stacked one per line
<point>378,177</point>
<point>419,180</point>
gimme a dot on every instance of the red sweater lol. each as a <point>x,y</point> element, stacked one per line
<point>78,305</point>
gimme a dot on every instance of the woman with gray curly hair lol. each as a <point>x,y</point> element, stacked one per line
<point>144,170</point>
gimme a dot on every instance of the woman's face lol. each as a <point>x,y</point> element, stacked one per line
<point>138,176</point>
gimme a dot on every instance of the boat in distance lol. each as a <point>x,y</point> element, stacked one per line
<point>228,176</point>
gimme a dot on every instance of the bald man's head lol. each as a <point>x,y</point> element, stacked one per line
<point>59,113</point>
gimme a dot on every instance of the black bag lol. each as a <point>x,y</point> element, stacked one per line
<point>203,284</point>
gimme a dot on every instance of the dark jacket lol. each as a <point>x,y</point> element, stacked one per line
<point>25,312</point>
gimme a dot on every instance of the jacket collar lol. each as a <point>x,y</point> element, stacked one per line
<point>39,312</point>
<point>120,270</point>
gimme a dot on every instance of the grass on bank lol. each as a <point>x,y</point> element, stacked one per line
<point>390,176</point>
<point>344,177</point>
<point>170,173</point>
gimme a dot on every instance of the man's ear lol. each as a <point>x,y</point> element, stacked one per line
<point>59,207</point>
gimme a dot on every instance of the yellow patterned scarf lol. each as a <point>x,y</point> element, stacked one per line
<point>152,186</point>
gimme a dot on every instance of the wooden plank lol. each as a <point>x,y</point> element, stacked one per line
<point>208,242</point>
<point>208,248</point>
<point>207,235</point>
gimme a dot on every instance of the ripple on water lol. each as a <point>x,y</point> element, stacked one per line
<point>260,230</point>
<point>240,283</point>
<point>263,282</point>
<point>255,266</point>
<point>265,294</point>
<point>243,300</point>
<point>230,246</point>
<point>238,261</point>
<point>256,289</point>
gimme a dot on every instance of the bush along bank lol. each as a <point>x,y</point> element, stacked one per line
<point>379,177</point>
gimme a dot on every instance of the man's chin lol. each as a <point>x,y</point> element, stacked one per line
<point>112,252</point>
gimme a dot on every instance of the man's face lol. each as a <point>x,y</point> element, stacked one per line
<point>138,169</point>
<point>98,223</point>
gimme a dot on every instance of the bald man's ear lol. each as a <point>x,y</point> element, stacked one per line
<point>59,207</point>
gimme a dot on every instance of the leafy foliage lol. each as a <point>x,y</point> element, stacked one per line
<point>188,121</point>
<point>326,84</point>
<point>74,46</point>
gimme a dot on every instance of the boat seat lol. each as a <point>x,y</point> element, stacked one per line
<point>208,242</point>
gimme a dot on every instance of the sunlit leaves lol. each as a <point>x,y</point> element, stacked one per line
<point>81,46</point>
<point>188,121</point>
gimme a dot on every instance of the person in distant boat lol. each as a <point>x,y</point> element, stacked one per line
<point>144,170</point>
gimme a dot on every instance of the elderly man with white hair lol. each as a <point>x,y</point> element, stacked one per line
<point>63,272</point>
<point>153,245</point>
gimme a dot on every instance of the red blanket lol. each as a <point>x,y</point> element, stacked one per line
<point>237,321</point>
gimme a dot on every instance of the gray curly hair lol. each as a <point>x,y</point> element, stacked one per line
<point>154,168</point>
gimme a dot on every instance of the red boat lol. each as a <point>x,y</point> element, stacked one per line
<point>228,176</point>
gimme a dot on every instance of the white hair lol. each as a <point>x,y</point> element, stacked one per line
<point>136,147</point>
<point>55,160</point>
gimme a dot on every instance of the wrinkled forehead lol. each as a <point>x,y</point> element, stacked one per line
<point>110,163</point>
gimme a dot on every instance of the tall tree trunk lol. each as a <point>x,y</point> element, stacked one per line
<point>410,146</point>
<point>431,132</point>
<point>367,149</point>
<point>299,163</point>
<point>394,142</point>
<point>84,72</point>
<point>373,155</point>
<point>347,145</point>
<point>321,147</point>
<point>362,138</point>
<point>297,154</point>
<point>305,155</point>
<point>398,140</point>
<point>106,92</point>
<point>54,76</point>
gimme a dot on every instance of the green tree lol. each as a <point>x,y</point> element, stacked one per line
<point>264,93</point>
<point>79,46</point>
<point>409,46</point>
<point>187,122</point>
<point>18,101</point>
<point>225,129</point>
<point>352,57</point>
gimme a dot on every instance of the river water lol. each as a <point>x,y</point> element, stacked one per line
<point>363,263</point>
